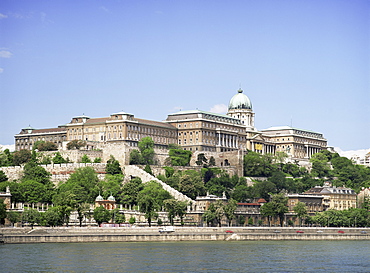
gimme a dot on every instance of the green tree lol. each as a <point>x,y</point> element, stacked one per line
<point>83,183</point>
<point>268,210</point>
<point>76,144</point>
<point>179,157</point>
<point>97,160</point>
<point>175,208</point>
<point>32,171</point>
<point>301,210</point>
<point>280,206</point>
<point>212,161</point>
<point>170,206</point>
<point>130,191</point>
<point>83,211</point>
<point>148,169</point>
<point>3,176</point>
<point>45,146</point>
<point>256,164</point>
<point>2,212</point>
<point>21,157</point>
<point>30,216</point>
<point>146,147</point>
<point>320,165</point>
<point>151,198</point>
<point>117,217</point>
<point>101,215</point>
<point>229,210</point>
<point>191,184</point>
<point>149,206</point>
<point>32,191</point>
<point>201,160</point>
<point>113,166</point>
<point>85,159</point>
<point>112,185</point>
<point>136,158</point>
<point>13,217</point>
<point>53,217</point>
<point>132,220</point>
<point>58,159</point>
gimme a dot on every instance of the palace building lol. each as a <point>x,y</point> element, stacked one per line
<point>193,130</point>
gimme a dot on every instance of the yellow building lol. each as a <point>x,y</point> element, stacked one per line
<point>121,127</point>
<point>338,198</point>
<point>204,131</point>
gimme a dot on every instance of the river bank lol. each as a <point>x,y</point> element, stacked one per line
<point>146,234</point>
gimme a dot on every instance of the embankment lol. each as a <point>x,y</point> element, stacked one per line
<point>130,234</point>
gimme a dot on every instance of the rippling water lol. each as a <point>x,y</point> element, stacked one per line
<point>246,256</point>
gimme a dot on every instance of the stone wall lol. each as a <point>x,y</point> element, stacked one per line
<point>59,172</point>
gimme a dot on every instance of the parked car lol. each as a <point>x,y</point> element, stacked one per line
<point>229,231</point>
<point>340,231</point>
<point>319,231</point>
<point>363,232</point>
<point>300,231</point>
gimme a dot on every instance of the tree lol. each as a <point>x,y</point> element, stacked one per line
<point>151,198</point>
<point>76,144</point>
<point>53,217</point>
<point>268,211</point>
<point>6,158</point>
<point>179,157</point>
<point>256,164</point>
<point>45,146</point>
<point>148,205</point>
<point>101,215</point>
<point>83,210</point>
<point>30,216</point>
<point>130,191</point>
<point>32,191</point>
<point>229,210</point>
<point>301,210</point>
<point>320,165</point>
<point>201,160</point>
<point>117,217</point>
<point>58,159</point>
<point>111,185</point>
<point>191,184</point>
<point>175,208</point>
<point>85,159</point>
<point>132,220</point>
<point>83,183</point>
<point>280,206</point>
<point>146,147</point>
<point>32,171</point>
<point>212,161</point>
<point>13,217</point>
<point>2,212</point>
<point>97,160</point>
<point>21,157</point>
<point>136,158</point>
<point>148,169</point>
<point>3,176</point>
<point>113,167</point>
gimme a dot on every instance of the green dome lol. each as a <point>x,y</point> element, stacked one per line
<point>111,198</point>
<point>240,101</point>
<point>99,198</point>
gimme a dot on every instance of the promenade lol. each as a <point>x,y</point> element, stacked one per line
<point>146,234</point>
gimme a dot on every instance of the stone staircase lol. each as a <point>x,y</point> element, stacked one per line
<point>135,171</point>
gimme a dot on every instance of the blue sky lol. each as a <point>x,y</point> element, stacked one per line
<point>302,63</point>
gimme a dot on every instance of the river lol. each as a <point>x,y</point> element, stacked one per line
<point>202,256</point>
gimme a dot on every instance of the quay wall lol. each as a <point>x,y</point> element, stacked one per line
<point>129,234</point>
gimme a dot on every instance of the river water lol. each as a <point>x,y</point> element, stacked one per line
<point>215,256</point>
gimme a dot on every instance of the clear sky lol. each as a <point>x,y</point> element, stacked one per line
<point>302,63</point>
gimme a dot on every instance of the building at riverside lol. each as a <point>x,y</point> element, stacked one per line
<point>193,130</point>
